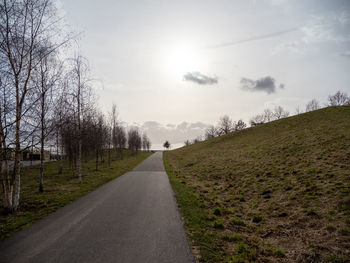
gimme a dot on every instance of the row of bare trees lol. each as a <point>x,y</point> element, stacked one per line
<point>337,99</point>
<point>29,76</point>
<point>46,99</point>
<point>226,125</point>
<point>269,115</point>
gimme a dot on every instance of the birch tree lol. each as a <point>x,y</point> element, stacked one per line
<point>46,78</point>
<point>80,92</point>
<point>25,27</point>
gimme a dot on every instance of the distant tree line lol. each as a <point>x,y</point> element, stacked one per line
<point>227,125</point>
<point>48,99</point>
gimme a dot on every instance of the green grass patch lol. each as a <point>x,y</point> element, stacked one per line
<point>196,219</point>
<point>60,189</point>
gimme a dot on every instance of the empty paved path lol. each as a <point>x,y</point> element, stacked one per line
<point>133,219</point>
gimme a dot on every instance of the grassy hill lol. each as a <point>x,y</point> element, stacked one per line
<point>277,192</point>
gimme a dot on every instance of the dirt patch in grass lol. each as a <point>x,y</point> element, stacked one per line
<point>283,187</point>
<point>60,189</point>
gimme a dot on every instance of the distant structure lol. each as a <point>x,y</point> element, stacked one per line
<point>9,154</point>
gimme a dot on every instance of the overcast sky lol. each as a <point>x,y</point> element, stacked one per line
<point>166,63</point>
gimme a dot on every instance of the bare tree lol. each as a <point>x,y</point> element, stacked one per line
<point>240,125</point>
<point>119,139</point>
<point>61,112</point>
<point>134,140</point>
<point>25,27</point>
<point>166,145</point>
<point>297,110</point>
<point>338,99</point>
<point>146,143</point>
<point>198,139</point>
<point>312,105</point>
<point>280,113</point>
<point>46,76</point>
<point>113,124</point>
<point>187,143</point>
<point>210,132</point>
<point>257,119</point>
<point>268,115</point>
<point>81,92</point>
<point>225,125</point>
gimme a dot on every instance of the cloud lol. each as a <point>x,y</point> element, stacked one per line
<point>265,84</point>
<point>346,54</point>
<point>327,28</point>
<point>176,134</point>
<point>200,78</point>
<point>293,46</point>
<point>254,38</point>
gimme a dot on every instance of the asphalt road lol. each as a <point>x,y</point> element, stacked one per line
<point>134,218</point>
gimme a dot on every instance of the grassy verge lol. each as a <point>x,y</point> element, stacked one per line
<point>278,192</point>
<point>197,221</point>
<point>60,189</point>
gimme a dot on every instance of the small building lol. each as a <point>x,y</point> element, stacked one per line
<point>35,155</point>
<point>26,155</point>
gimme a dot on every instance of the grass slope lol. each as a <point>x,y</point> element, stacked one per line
<point>60,189</point>
<point>278,192</point>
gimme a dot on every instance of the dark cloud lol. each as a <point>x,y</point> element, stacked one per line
<point>265,84</point>
<point>346,54</point>
<point>200,78</point>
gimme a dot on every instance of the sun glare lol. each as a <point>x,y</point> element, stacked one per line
<point>181,59</point>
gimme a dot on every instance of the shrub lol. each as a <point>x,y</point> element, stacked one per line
<point>237,221</point>
<point>219,224</point>
<point>279,253</point>
<point>257,218</point>
<point>232,238</point>
<point>217,211</point>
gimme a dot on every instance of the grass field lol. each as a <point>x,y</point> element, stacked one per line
<point>60,189</point>
<point>278,192</point>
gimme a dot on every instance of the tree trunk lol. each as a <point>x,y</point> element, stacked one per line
<point>16,178</point>
<point>79,162</point>
<point>41,179</point>
<point>42,142</point>
<point>109,154</point>
<point>57,155</point>
<point>96,160</point>
<point>79,132</point>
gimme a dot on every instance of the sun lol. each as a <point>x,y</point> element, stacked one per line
<point>181,59</point>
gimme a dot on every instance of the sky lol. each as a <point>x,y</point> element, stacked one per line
<point>174,67</point>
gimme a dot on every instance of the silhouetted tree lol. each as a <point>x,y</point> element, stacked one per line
<point>134,140</point>
<point>225,125</point>
<point>166,145</point>
<point>210,132</point>
<point>146,143</point>
<point>257,119</point>
<point>338,99</point>
<point>297,110</point>
<point>119,139</point>
<point>240,125</point>
<point>268,115</point>
<point>280,113</point>
<point>312,105</point>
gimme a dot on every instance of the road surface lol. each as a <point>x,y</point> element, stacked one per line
<point>134,218</point>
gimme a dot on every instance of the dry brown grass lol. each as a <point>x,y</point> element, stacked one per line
<point>283,186</point>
